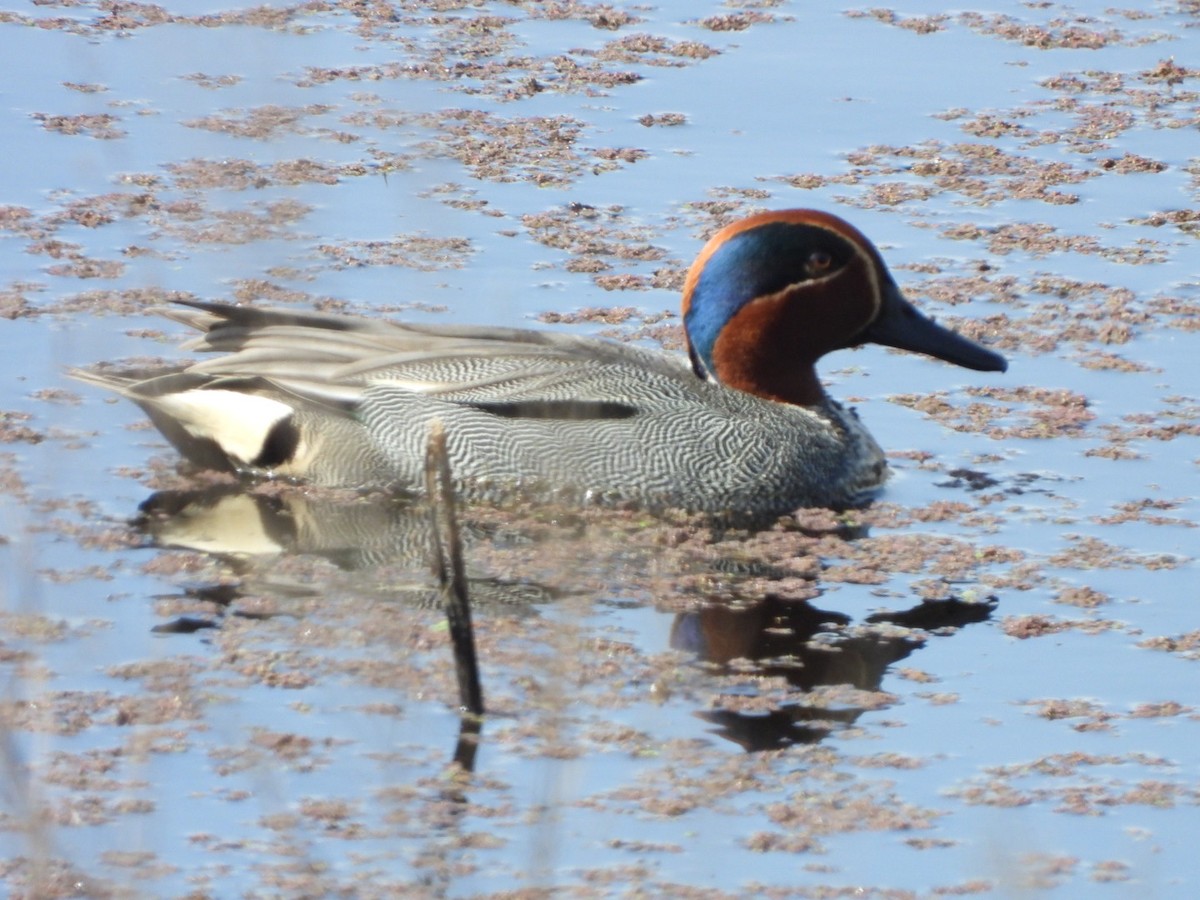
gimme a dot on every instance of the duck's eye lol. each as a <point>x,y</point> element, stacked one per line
<point>818,263</point>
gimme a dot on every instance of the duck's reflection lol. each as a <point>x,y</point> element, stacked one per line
<point>250,529</point>
<point>352,531</point>
<point>787,638</point>
<point>809,647</point>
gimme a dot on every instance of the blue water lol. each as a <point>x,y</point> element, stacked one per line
<point>559,801</point>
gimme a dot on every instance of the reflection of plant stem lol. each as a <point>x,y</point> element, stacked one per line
<point>31,810</point>
<point>28,810</point>
<point>469,729</point>
<point>448,566</point>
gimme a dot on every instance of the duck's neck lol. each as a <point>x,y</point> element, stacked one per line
<point>798,386</point>
<point>761,352</point>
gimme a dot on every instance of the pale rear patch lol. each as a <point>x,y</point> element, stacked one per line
<point>233,524</point>
<point>238,423</point>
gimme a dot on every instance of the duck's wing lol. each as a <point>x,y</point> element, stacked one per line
<point>335,360</point>
<point>309,395</point>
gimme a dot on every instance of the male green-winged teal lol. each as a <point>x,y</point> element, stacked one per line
<point>743,427</point>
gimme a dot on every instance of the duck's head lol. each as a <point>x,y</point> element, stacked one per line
<point>771,294</point>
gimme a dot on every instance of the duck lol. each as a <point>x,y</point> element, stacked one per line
<point>740,426</point>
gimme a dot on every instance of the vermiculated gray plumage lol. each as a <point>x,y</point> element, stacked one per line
<point>345,401</point>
